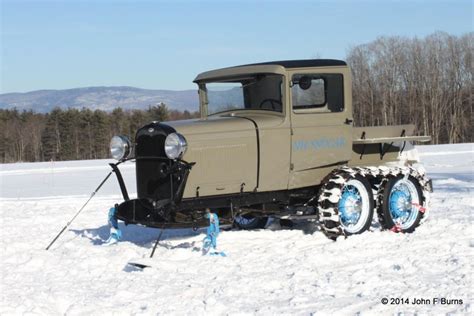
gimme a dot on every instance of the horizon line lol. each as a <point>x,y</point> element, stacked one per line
<point>88,87</point>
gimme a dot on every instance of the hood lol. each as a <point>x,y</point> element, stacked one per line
<point>226,123</point>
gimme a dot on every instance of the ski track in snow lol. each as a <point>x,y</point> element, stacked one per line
<point>267,272</point>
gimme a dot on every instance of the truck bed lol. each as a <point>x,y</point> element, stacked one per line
<point>386,134</point>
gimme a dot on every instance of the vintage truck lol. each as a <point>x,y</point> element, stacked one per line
<point>275,139</point>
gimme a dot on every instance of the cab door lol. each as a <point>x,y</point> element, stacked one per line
<point>321,124</point>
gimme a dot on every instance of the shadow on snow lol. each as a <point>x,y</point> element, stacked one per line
<point>136,234</point>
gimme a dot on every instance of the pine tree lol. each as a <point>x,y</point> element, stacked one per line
<point>51,138</point>
<point>158,112</point>
<point>86,145</point>
<point>100,124</point>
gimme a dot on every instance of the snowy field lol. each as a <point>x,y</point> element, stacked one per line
<point>267,272</point>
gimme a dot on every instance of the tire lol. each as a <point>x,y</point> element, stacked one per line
<point>249,222</point>
<point>401,202</point>
<point>345,204</point>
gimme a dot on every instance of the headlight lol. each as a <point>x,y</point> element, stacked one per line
<point>120,147</point>
<point>175,146</point>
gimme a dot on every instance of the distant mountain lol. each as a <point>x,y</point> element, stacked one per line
<point>103,98</point>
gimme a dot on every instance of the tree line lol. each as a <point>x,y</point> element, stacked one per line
<point>72,134</point>
<point>396,80</point>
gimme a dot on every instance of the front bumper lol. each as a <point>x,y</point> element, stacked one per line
<point>160,215</point>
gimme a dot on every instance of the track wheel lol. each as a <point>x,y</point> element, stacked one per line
<point>401,204</point>
<point>248,222</point>
<point>346,205</point>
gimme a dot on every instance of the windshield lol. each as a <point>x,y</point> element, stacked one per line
<point>260,92</point>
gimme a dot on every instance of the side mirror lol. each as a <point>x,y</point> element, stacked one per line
<point>304,82</point>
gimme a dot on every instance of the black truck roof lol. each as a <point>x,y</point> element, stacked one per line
<point>301,63</point>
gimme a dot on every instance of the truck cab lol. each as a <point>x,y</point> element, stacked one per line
<point>298,116</point>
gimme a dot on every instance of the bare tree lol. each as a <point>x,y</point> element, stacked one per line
<point>427,81</point>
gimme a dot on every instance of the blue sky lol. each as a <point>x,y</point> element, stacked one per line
<point>164,44</point>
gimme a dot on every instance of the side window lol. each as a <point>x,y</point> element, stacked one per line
<point>322,91</point>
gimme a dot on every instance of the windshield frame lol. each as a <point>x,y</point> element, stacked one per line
<point>203,94</point>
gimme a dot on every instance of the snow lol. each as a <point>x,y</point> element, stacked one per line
<point>280,271</point>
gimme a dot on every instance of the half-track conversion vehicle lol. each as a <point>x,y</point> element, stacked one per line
<point>275,139</point>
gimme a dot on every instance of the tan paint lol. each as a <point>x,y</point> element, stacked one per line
<point>224,146</point>
<point>275,142</point>
<point>318,124</point>
<point>225,152</point>
<point>237,71</point>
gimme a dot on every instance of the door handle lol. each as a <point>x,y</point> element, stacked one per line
<point>348,121</point>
